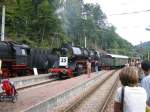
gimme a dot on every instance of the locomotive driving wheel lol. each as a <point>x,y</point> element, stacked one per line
<point>5,73</point>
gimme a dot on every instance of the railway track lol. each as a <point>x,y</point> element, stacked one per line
<point>97,98</point>
<point>109,98</point>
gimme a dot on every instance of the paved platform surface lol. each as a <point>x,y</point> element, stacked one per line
<point>26,77</point>
<point>27,81</point>
<point>34,95</point>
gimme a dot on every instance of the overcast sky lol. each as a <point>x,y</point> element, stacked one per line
<point>129,26</point>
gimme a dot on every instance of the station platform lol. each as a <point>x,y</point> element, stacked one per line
<point>27,81</point>
<point>42,97</point>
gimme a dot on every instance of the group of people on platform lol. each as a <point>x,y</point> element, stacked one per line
<point>89,67</point>
<point>134,95</point>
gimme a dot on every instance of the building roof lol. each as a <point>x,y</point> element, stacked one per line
<point>117,56</point>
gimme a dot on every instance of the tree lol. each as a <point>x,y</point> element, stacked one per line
<point>31,20</point>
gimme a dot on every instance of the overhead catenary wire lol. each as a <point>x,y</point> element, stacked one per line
<point>128,13</point>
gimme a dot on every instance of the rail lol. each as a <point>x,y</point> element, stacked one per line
<point>70,108</point>
<point>103,108</point>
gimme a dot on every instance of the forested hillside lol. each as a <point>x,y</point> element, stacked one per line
<point>49,23</point>
<point>145,45</point>
<point>144,49</point>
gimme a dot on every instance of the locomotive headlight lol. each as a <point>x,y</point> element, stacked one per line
<point>50,74</point>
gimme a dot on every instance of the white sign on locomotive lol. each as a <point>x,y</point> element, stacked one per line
<point>63,61</point>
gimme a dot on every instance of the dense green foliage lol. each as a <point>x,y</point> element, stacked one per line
<point>144,50</point>
<point>144,46</point>
<point>42,22</point>
<point>33,22</point>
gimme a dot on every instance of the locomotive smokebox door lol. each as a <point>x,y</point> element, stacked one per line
<point>63,61</point>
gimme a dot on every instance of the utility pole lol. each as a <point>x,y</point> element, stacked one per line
<point>55,40</point>
<point>85,42</point>
<point>3,23</point>
<point>141,50</point>
<point>148,55</point>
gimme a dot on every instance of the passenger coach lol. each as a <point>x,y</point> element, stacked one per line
<point>113,61</point>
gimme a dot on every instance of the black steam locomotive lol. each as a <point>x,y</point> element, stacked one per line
<point>14,58</point>
<point>20,59</point>
<point>77,61</point>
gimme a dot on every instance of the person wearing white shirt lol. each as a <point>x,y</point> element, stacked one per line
<point>135,97</point>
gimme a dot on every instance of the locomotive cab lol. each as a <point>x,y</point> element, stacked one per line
<point>14,58</point>
<point>21,53</point>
